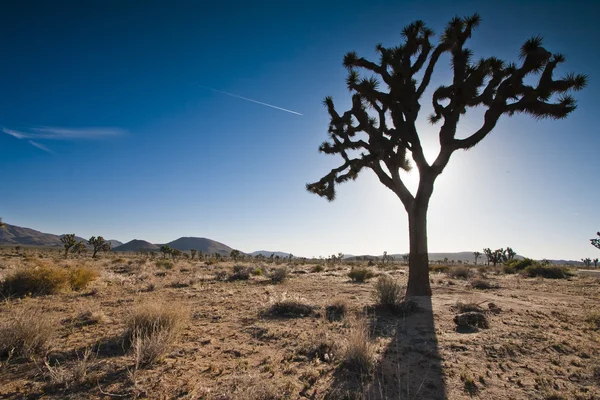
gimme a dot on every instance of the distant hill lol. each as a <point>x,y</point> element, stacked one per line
<point>16,235</point>
<point>268,253</point>
<point>114,243</point>
<point>464,256</point>
<point>204,245</point>
<point>136,245</point>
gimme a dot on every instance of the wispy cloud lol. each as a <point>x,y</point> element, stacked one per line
<point>252,100</point>
<point>40,146</point>
<point>34,134</point>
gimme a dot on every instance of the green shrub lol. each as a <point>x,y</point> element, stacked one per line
<point>388,292</point>
<point>279,275</point>
<point>360,274</point>
<point>550,272</point>
<point>516,265</point>
<point>36,281</point>
<point>318,268</point>
<point>257,271</point>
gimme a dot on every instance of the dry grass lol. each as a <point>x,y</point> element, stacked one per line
<point>279,274</point>
<point>150,329</point>
<point>360,274</point>
<point>81,277</point>
<point>460,272</point>
<point>36,281</point>
<point>360,355</point>
<point>337,310</point>
<point>289,307</point>
<point>388,292</point>
<point>26,333</point>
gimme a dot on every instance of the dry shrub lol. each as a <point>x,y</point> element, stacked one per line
<point>461,307</point>
<point>36,281</point>
<point>150,329</point>
<point>318,268</point>
<point>483,284</point>
<point>359,356</point>
<point>388,292</point>
<point>321,346</point>
<point>336,311</point>
<point>360,274</point>
<point>279,275</point>
<point>80,277</point>
<point>289,307</point>
<point>460,272</point>
<point>251,387</point>
<point>439,268</point>
<point>67,377</point>
<point>240,273</point>
<point>593,319</point>
<point>25,333</point>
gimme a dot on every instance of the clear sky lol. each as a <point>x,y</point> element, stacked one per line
<point>108,127</point>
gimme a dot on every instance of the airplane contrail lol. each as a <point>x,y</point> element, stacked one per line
<point>252,100</point>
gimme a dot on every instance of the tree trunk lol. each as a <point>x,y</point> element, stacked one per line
<point>418,259</point>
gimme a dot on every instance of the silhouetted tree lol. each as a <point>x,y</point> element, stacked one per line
<point>596,242</point>
<point>175,253</point>
<point>165,249</point>
<point>68,241</point>
<point>384,258</point>
<point>380,129</point>
<point>18,249</point>
<point>476,254</point>
<point>587,261</point>
<point>193,252</point>
<point>508,254</point>
<point>595,261</point>
<point>98,243</point>
<point>235,254</point>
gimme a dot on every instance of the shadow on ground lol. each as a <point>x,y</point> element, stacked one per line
<point>410,366</point>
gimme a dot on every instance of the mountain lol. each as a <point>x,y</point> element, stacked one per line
<point>267,254</point>
<point>204,245</point>
<point>136,245</point>
<point>114,243</point>
<point>16,235</point>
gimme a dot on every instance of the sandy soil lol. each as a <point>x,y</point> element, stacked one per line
<point>539,343</point>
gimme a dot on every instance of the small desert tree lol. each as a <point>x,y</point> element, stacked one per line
<point>68,241</point>
<point>380,129</point>
<point>595,261</point>
<point>99,244</point>
<point>596,242</point>
<point>165,249</point>
<point>235,254</point>
<point>476,254</point>
<point>587,262</point>
<point>79,247</point>
<point>508,254</point>
<point>193,252</point>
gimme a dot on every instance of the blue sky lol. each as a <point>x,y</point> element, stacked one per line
<point>108,128</point>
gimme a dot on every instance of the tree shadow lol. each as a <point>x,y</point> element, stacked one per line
<point>410,366</point>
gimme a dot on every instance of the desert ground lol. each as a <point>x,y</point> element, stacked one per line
<point>316,334</point>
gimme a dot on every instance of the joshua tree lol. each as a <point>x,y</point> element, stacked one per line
<point>165,249</point>
<point>495,256</point>
<point>595,261</point>
<point>79,247</point>
<point>68,241</point>
<point>385,257</point>
<point>193,252</point>
<point>380,129</point>
<point>175,253</point>
<point>587,262</point>
<point>508,254</point>
<point>476,254</point>
<point>235,254</point>
<point>596,242</point>
<point>99,244</point>
<point>18,249</point>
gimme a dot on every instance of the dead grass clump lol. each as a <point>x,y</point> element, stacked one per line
<point>388,292</point>
<point>321,346</point>
<point>360,274</point>
<point>439,268</point>
<point>166,264</point>
<point>150,329</point>
<point>460,272</point>
<point>318,268</point>
<point>289,308</point>
<point>359,356</point>
<point>593,319</point>
<point>81,277</point>
<point>26,333</point>
<point>76,374</point>
<point>336,311</point>
<point>36,281</point>
<point>483,284</point>
<point>461,307</point>
<point>279,275</point>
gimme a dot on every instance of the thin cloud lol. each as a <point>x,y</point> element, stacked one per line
<point>251,100</point>
<point>59,133</point>
<point>40,146</point>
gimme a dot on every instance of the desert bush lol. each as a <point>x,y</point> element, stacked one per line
<point>279,275</point>
<point>36,281</point>
<point>321,346</point>
<point>150,329</point>
<point>240,273</point>
<point>80,277</point>
<point>336,310</point>
<point>515,265</point>
<point>318,268</point>
<point>360,274</point>
<point>461,307</point>
<point>483,284</point>
<point>550,272</point>
<point>388,292</point>
<point>460,272</point>
<point>257,271</point>
<point>166,264</point>
<point>359,355</point>
<point>221,275</point>
<point>439,268</point>
<point>593,319</point>
<point>289,308</point>
<point>25,333</point>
